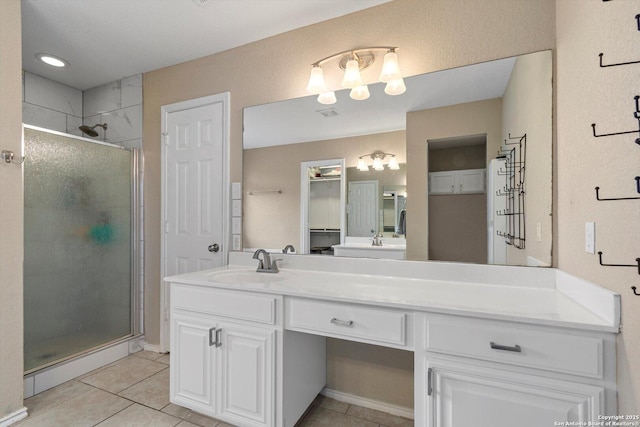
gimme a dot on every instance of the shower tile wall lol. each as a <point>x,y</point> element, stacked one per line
<point>51,105</point>
<point>119,104</point>
<point>54,106</point>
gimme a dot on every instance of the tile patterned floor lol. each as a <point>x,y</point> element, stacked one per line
<point>134,391</point>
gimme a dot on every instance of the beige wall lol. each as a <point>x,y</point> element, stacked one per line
<point>458,158</point>
<point>526,109</point>
<point>431,35</point>
<point>458,228</point>
<point>11,208</point>
<point>589,94</point>
<point>273,220</point>
<point>473,118</point>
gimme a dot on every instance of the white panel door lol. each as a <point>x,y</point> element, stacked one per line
<point>194,189</point>
<point>487,398</point>
<point>363,208</point>
<point>247,375</point>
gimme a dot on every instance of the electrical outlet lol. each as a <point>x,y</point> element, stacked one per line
<point>237,242</point>
<point>236,208</point>
<point>236,226</point>
<point>590,237</point>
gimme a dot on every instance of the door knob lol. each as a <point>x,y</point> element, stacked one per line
<point>214,248</point>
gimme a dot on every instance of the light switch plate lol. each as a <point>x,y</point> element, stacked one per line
<point>590,237</point>
<point>236,190</point>
<point>236,208</point>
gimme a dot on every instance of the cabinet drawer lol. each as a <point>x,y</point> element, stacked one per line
<point>235,305</point>
<point>362,323</point>
<point>546,350</point>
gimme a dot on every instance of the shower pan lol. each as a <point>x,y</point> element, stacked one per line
<point>79,242</point>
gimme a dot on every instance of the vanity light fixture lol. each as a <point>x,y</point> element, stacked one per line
<point>352,62</point>
<point>52,60</point>
<point>377,159</point>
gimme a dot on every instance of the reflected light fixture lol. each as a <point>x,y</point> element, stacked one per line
<point>352,62</point>
<point>52,60</point>
<point>377,161</point>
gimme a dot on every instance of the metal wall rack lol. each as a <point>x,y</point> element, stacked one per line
<point>636,115</point>
<point>514,151</point>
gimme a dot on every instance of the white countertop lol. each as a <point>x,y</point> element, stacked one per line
<point>521,294</point>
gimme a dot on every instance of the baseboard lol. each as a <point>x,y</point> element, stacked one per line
<point>152,347</point>
<point>400,411</point>
<point>13,417</point>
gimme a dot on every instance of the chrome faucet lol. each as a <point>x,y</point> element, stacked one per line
<point>265,265</point>
<point>288,248</point>
<point>377,239</point>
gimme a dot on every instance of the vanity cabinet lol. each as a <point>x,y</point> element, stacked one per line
<point>463,395</point>
<point>252,352</point>
<point>467,181</point>
<point>222,368</point>
<point>494,374</point>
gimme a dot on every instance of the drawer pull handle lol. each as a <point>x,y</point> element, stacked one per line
<point>213,336</point>
<point>516,348</point>
<point>337,321</point>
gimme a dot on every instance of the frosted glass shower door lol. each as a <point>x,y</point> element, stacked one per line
<point>78,246</point>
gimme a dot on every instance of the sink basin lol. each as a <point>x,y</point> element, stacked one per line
<point>238,277</point>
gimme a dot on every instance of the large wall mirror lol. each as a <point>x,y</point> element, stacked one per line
<point>480,126</point>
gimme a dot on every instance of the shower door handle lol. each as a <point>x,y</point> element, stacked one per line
<point>214,248</point>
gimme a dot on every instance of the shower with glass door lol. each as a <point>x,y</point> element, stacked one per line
<point>79,251</point>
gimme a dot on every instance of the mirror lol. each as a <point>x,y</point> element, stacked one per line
<point>446,109</point>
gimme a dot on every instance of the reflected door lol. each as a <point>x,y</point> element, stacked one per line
<point>363,208</point>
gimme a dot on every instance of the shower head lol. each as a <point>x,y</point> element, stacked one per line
<point>90,130</point>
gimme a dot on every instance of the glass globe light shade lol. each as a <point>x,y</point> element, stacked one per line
<point>359,93</point>
<point>395,87</point>
<point>327,98</point>
<point>352,76</point>
<point>390,67</point>
<point>393,164</point>
<point>316,83</point>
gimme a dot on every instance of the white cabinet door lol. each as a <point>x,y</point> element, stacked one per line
<point>223,370</point>
<point>192,364</point>
<point>247,370</point>
<point>479,397</point>
<point>471,181</point>
<point>442,182</point>
<point>468,181</point>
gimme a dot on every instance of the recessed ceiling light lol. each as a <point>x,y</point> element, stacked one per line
<point>54,61</point>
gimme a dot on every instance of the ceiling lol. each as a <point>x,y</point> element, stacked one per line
<point>106,40</point>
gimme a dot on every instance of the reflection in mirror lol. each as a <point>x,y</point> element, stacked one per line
<point>366,200</point>
<point>394,208</point>
<point>437,108</point>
